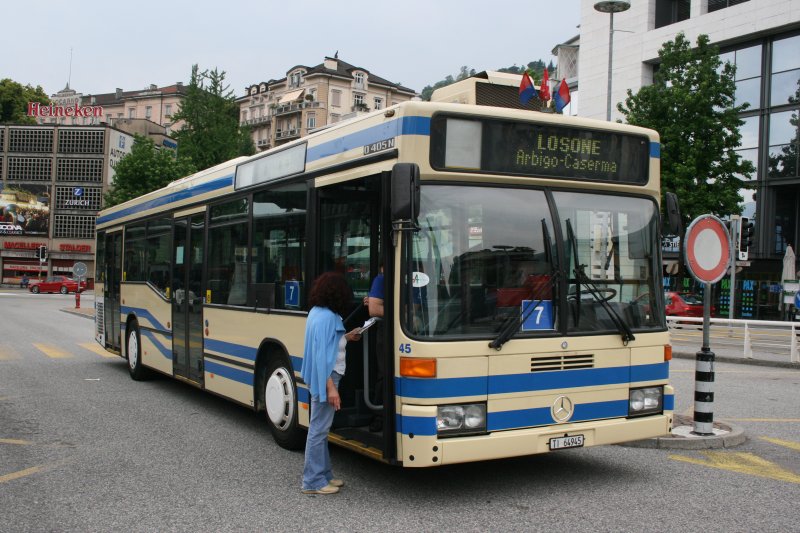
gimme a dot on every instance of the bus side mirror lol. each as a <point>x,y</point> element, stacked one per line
<point>673,210</point>
<point>405,192</point>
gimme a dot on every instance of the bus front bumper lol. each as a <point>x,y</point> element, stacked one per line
<point>425,450</point>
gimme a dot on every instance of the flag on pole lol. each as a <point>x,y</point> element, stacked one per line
<point>526,89</point>
<point>561,96</point>
<point>544,90</point>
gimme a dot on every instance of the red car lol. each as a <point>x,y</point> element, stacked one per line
<point>684,304</point>
<point>61,284</point>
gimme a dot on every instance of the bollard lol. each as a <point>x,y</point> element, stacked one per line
<point>704,392</point>
<point>78,298</point>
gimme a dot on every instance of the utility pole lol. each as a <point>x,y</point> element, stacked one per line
<point>736,220</point>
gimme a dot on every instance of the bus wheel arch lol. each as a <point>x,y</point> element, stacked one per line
<point>276,395</point>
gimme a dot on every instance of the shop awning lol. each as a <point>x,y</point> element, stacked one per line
<point>291,97</point>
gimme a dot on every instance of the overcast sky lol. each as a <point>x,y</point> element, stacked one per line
<point>133,44</point>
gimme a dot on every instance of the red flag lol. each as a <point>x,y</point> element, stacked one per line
<point>544,89</point>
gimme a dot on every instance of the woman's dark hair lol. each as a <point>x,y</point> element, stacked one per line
<point>332,291</point>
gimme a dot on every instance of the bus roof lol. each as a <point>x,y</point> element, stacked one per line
<point>373,138</point>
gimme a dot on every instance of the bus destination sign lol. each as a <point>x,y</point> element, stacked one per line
<point>541,150</point>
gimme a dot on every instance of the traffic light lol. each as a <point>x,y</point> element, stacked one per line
<point>746,231</point>
<point>41,253</point>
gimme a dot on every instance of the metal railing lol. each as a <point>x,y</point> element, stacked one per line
<point>770,339</point>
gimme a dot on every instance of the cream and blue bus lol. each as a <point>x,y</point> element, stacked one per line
<point>523,292</point>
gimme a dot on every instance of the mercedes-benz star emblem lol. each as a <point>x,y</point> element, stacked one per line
<point>562,409</point>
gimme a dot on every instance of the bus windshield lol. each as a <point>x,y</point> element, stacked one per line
<point>485,256</point>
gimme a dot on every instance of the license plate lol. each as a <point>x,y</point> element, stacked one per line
<point>572,441</point>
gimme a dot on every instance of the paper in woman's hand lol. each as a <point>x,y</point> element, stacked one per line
<point>368,324</point>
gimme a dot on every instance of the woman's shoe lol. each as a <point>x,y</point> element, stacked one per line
<point>327,489</point>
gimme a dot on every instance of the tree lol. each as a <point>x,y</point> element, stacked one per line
<point>691,105</point>
<point>14,98</point>
<point>783,160</point>
<point>144,170</point>
<point>211,133</point>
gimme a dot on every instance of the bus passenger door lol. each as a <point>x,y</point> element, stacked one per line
<point>187,298</point>
<point>111,289</point>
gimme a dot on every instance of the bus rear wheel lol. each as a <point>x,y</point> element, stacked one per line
<point>278,393</point>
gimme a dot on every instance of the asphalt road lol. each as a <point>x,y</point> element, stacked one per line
<point>85,448</point>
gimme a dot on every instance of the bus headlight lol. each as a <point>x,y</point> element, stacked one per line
<point>461,419</point>
<point>645,401</point>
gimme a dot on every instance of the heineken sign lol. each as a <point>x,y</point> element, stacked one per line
<point>35,109</point>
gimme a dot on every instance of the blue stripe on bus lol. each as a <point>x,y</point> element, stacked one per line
<point>541,416</point>
<point>418,425</point>
<point>303,395</point>
<point>202,188</point>
<point>297,363</point>
<point>655,150</point>
<point>388,130</point>
<point>229,348</point>
<point>142,313</point>
<point>234,374</point>
<point>441,388</point>
<point>163,350</point>
<point>538,381</point>
<point>669,402</point>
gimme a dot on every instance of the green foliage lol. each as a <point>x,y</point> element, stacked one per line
<point>14,98</point>
<point>211,134</point>
<point>691,106</point>
<point>463,74</point>
<point>145,169</point>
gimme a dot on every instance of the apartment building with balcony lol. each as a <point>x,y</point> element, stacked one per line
<point>278,111</point>
<point>154,104</point>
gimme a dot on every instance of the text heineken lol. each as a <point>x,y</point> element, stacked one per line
<point>35,109</point>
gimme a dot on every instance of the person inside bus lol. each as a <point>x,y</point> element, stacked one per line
<point>323,367</point>
<point>374,303</point>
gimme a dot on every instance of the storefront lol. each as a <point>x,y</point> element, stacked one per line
<point>18,259</point>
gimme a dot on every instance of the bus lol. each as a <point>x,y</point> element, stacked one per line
<point>524,306</point>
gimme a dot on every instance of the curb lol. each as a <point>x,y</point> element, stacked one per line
<point>88,313</point>
<point>729,436</point>
<point>740,360</point>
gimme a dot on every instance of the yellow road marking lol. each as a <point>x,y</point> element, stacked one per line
<point>7,353</point>
<point>22,473</point>
<point>15,441</point>
<point>53,352</point>
<point>96,348</point>
<point>742,463</point>
<point>787,443</point>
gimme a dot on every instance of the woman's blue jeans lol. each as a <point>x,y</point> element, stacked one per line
<point>317,471</point>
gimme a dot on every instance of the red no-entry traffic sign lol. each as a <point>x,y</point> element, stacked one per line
<point>707,248</point>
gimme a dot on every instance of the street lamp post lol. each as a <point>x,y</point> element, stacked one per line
<point>611,7</point>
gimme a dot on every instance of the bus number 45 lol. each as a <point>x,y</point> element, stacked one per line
<point>405,348</point>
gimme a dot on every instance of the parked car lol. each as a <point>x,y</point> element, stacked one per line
<point>61,284</point>
<point>684,304</point>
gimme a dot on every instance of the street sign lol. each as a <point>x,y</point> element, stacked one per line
<point>707,249</point>
<point>79,269</point>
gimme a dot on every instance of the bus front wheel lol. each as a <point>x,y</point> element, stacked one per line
<point>134,350</point>
<point>279,396</point>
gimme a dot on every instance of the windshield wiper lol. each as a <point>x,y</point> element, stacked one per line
<point>582,279</point>
<point>622,326</point>
<point>513,324</point>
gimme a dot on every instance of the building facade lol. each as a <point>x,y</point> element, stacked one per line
<point>154,104</point>
<point>762,38</point>
<point>53,179</point>
<point>278,111</point>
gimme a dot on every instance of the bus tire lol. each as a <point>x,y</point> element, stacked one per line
<point>278,394</point>
<point>133,349</point>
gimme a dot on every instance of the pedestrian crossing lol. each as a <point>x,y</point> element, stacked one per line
<point>52,351</point>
